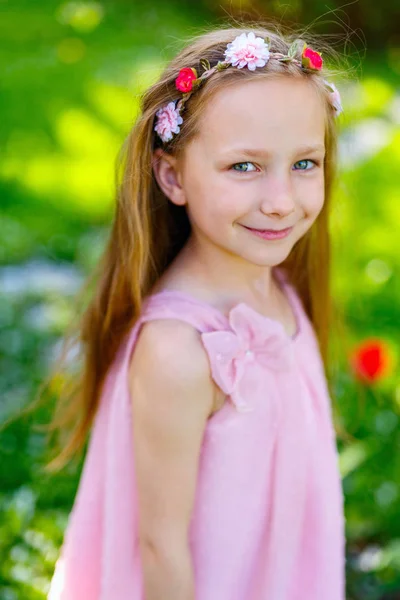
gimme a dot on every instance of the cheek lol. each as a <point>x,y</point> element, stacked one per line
<point>313,198</point>
<point>219,213</point>
<point>208,209</point>
<point>213,202</point>
<point>314,205</point>
<point>232,200</point>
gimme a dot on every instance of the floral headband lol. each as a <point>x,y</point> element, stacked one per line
<point>246,50</point>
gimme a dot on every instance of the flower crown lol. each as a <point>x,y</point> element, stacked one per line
<point>246,50</point>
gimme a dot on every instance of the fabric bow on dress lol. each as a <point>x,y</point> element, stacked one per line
<point>252,338</point>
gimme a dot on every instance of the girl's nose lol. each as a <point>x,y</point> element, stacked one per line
<point>278,196</point>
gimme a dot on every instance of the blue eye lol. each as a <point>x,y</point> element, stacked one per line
<point>305,160</point>
<point>247,170</point>
<point>242,170</point>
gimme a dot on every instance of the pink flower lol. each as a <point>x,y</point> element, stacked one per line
<point>335,98</point>
<point>184,81</point>
<point>252,338</point>
<point>311,59</point>
<point>168,121</point>
<point>247,50</point>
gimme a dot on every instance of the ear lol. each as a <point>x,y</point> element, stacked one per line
<point>167,174</point>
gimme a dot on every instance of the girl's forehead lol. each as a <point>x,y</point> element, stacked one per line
<point>263,112</point>
<point>264,92</point>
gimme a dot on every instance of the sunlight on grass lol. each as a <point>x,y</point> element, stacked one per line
<point>117,104</point>
<point>376,93</point>
<point>147,74</point>
<point>121,104</point>
<point>352,457</point>
<point>82,16</point>
<point>81,134</point>
<point>81,173</point>
<point>85,185</point>
<point>377,240</point>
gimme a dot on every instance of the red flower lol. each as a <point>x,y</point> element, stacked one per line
<point>311,59</point>
<point>370,360</point>
<point>184,81</point>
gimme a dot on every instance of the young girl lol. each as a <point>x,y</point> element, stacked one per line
<point>211,471</point>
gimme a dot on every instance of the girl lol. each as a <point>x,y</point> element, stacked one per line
<point>211,471</point>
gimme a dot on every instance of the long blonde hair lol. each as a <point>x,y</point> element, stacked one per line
<point>148,231</point>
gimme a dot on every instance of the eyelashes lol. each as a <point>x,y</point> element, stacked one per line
<point>241,170</point>
<point>304,160</point>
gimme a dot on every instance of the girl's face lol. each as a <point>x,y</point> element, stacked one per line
<point>258,161</point>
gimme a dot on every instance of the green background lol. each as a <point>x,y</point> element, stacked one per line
<point>71,77</point>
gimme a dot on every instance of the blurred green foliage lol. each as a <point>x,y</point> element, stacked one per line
<point>72,73</point>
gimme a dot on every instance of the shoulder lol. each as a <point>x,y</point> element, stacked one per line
<point>169,357</point>
<point>171,344</point>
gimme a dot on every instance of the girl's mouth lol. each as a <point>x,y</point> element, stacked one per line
<point>269,234</point>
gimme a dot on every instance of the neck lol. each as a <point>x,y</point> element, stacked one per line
<point>227,276</point>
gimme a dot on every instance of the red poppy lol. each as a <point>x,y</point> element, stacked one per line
<point>184,81</point>
<point>311,59</point>
<point>370,360</point>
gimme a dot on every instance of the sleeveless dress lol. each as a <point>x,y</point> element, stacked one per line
<point>268,520</point>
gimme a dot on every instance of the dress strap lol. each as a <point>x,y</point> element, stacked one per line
<point>172,304</point>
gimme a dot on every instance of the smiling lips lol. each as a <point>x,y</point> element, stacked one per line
<point>270,234</point>
<point>269,230</point>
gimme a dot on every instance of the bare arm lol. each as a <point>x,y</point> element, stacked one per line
<point>172,396</point>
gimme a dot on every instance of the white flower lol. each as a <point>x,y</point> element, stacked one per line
<point>168,121</point>
<point>247,50</point>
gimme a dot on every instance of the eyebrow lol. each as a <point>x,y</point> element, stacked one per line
<point>254,152</point>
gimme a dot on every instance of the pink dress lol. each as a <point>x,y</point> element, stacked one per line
<point>268,520</point>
